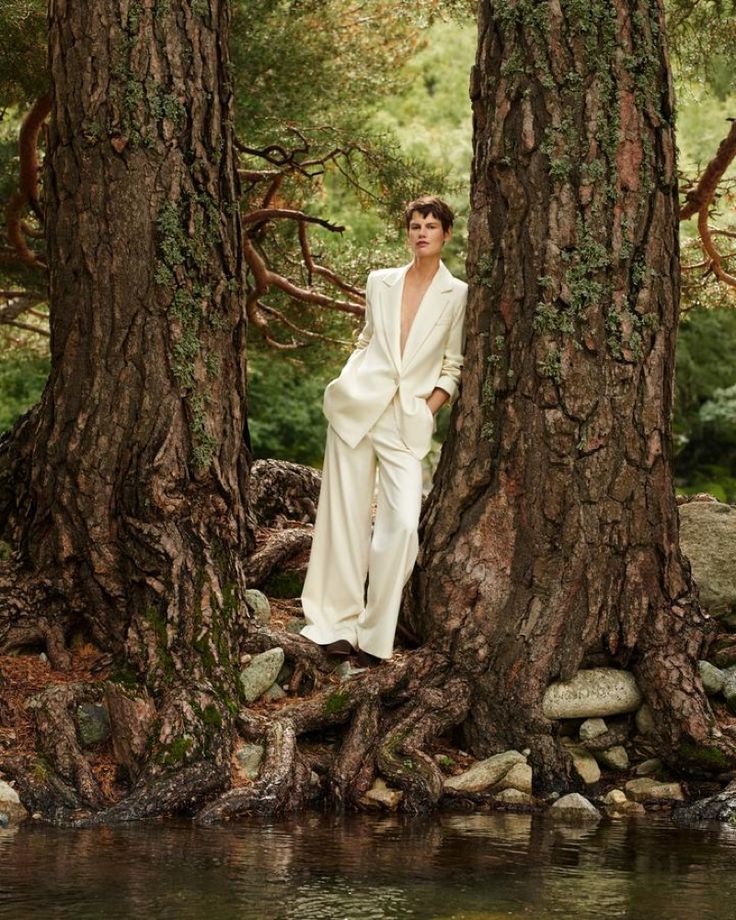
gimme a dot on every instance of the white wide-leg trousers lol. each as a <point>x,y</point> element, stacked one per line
<point>343,550</point>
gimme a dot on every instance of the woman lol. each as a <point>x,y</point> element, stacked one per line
<point>405,366</point>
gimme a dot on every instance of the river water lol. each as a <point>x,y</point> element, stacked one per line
<point>451,867</point>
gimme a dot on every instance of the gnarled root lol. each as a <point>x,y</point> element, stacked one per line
<point>354,768</point>
<point>57,736</point>
<point>275,553</point>
<point>282,491</point>
<point>281,787</point>
<point>401,756</point>
<point>181,791</point>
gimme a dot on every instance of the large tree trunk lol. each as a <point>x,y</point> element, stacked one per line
<point>136,513</point>
<point>550,541</point>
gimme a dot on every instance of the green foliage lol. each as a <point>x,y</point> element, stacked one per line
<point>23,73</point>
<point>22,379</point>
<point>285,407</point>
<point>705,403</point>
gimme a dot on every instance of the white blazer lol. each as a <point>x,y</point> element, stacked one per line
<point>376,370</point>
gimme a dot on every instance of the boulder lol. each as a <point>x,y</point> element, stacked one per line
<point>11,806</point>
<point>646,789</point>
<point>574,808</point>
<point>586,766</point>
<point>614,758</point>
<point>592,692</point>
<point>592,728</point>
<point>258,604</point>
<point>519,778</point>
<point>708,539</point>
<point>93,723</point>
<point>484,774</point>
<point>261,673</point>
<point>712,677</point>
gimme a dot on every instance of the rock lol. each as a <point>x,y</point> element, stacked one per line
<point>345,670</point>
<point>4,820</point>
<point>261,673</point>
<point>592,728</point>
<point>720,808</point>
<point>257,602</point>
<point>274,692</point>
<point>10,805</point>
<point>513,797</point>
<point>93,723</point>
<point>593,692</point>
<point>712,677</point>
<point>296,625</point>
<point>708,539</point>
<point>644,720</point>
<point>615,797</point>
<point>484,774</point>
<point>649,790</point>
<point>729,690</point>
<point>248,759</point>
<point>619,806</point>
<point>586,766</point>
<point>648,767</point>
<point>132,714</point>
<point>383,795</point>
<point>615,758</point>
<point>519,778</point>
<point>574,807</point>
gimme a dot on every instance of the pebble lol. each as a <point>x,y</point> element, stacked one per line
<point>712,677</point>
<point>592,728</point>
<point>615,758</point>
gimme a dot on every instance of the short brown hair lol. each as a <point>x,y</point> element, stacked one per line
<point>430,204</point>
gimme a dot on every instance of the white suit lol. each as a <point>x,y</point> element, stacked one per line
<point>378,414</point>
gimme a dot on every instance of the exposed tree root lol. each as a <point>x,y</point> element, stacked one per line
<point>401,755</point>
<point>40,789</point>
<point>282,491</point>
<point>274,555</point>
<point>353,769</point>
<point>57,737</point>
<point>181,791</point>
<point>282,787</point>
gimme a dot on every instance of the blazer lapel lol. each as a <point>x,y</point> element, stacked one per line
<point>430,309</point>
<point>391,312</point>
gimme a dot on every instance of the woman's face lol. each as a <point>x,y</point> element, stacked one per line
<point>425,235</point>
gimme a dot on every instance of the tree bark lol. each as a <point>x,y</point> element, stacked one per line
<point>550,540</point>
<point>136,515</point>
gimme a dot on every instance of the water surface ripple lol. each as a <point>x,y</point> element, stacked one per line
<point>451,867</point>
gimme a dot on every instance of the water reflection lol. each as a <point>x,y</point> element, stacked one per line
<point>452,867</point>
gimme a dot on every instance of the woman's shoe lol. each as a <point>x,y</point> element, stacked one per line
<point>366,660</point>
<point>340,648</point>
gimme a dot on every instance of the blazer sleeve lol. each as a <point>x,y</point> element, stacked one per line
<point>366,333</point>
<point>452,360</point>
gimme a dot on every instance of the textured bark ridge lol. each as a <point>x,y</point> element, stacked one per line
<point>550,540</point>
<point>135,486</point>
